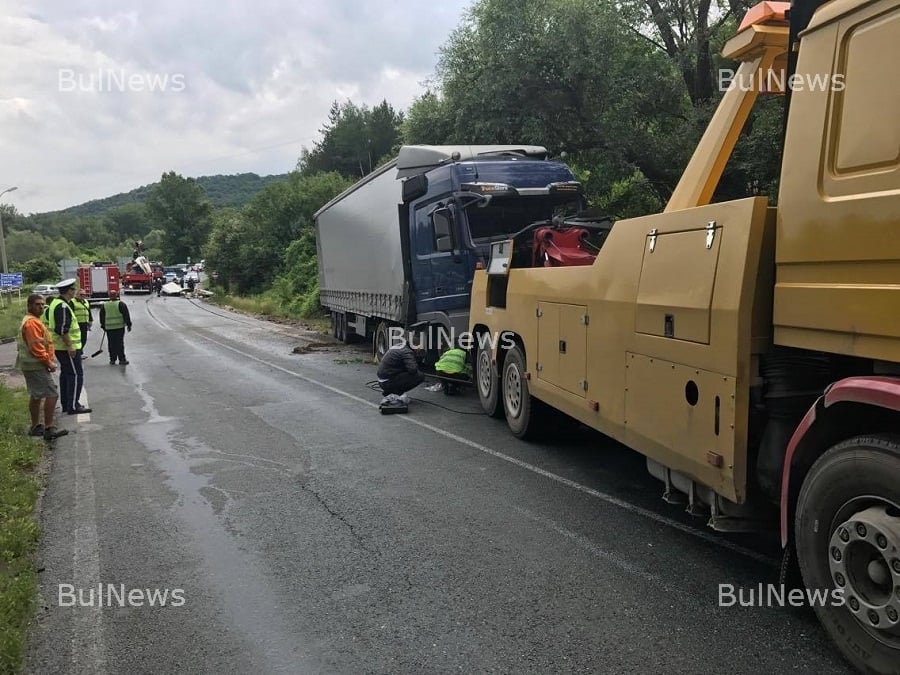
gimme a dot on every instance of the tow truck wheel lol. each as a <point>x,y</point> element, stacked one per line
<point>381,340</point>
<point>848,545</point>
<point>487,382</point>
<point>518,406</point>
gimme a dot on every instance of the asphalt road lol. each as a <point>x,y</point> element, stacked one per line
<point>296,530</point>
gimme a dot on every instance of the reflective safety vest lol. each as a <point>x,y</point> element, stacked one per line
<point>74,328</point>
<point>82,310</point>
<point>112,315</point>
<point>453,362</point>
<point>25,360</point>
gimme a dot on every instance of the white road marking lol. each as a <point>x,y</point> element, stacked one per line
<point>88,651</point>
<point>608,498</point>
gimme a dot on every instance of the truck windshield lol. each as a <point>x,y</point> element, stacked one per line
<point>506,216</point>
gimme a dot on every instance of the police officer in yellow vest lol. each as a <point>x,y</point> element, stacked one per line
<point>60,319</point>
<point>114,319</point>
<point>83,316</point>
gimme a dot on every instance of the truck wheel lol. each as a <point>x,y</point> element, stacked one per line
<point>518,406</point>
<point>848,541</point>
<point>381,340</point>
<point>488,383</point>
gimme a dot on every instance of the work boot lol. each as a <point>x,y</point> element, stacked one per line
<point>51,433</point>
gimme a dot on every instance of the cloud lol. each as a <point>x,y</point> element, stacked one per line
<point>102,96</point>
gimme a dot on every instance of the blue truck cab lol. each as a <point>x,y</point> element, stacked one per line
<point>401,246</point>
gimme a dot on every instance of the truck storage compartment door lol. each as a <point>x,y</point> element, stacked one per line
<point>562,346</point>
<point>678,274</point>
<point>690,412</point>
<point>98,280</point>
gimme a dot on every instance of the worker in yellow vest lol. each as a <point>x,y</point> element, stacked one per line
<point>114,319</point>
<point>453,362</point>
<point>83,316</point>
<point>60,319</point>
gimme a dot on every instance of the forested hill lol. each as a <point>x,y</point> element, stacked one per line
<point>235,190</point>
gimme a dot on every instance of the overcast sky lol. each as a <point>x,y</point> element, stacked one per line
<point>237,86</point>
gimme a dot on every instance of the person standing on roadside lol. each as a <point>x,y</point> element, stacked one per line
<point>83,316</point>
<point>36,359</point>
<point>60,319</point>
<point>115,319</point>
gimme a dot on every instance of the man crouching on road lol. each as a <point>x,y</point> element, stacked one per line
<point>398,371</point>
<point>35,358</point>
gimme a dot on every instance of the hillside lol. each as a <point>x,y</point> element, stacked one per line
<point>234,190</point>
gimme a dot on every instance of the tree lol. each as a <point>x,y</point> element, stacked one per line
<point>246,248</point>
<point>36,270</point>
<point>179,208</point>
<point>353,140</point>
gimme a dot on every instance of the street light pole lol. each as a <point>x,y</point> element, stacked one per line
<point>2,238</point>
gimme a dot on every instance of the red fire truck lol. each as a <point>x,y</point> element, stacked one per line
<point>98,279</point>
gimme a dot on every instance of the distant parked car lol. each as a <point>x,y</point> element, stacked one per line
<point>45,290</point>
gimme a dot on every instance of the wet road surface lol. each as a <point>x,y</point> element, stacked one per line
<point>293,529</point>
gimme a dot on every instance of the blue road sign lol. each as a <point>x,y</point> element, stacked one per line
<point>12,280</point>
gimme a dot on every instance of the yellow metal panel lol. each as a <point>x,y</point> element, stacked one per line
<point>658,406</point>
<point>674,298</point>
<point>547,366</point>
<point>837,248</point>
<point>573,349</point>
<point>858,149</point>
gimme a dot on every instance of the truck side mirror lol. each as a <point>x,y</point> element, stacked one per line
<point>443,230</point>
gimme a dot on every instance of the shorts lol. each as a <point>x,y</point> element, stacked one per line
<point>41,384</point>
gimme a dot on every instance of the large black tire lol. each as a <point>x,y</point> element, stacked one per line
<point>487,382</point>
<point>847,529</point>
<point>381,340</point>
<point>518,405</point>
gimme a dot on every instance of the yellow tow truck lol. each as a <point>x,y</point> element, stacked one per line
<point>750,352</point>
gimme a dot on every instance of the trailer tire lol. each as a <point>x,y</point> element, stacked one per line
<point>381,340</point>
<point>847,529</point>
<point>488,383</point>
<point>520,408</point>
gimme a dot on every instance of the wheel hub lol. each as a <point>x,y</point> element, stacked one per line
<point>864,558</point>
<point>484,373</point>
<point>512,390</point>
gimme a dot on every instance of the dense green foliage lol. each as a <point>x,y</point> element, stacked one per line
<point>249,248</point>
<point>178,207</point>
<point>621,91</point>
<point>355,140</point>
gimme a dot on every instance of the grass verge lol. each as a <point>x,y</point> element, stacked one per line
<point>268,307</point>
<point>11,312</point>
<point>19,488</point>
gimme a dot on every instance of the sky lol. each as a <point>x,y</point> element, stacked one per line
<point>99,97</point>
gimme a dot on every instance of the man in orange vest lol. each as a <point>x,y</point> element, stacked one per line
<point>35,358</point>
